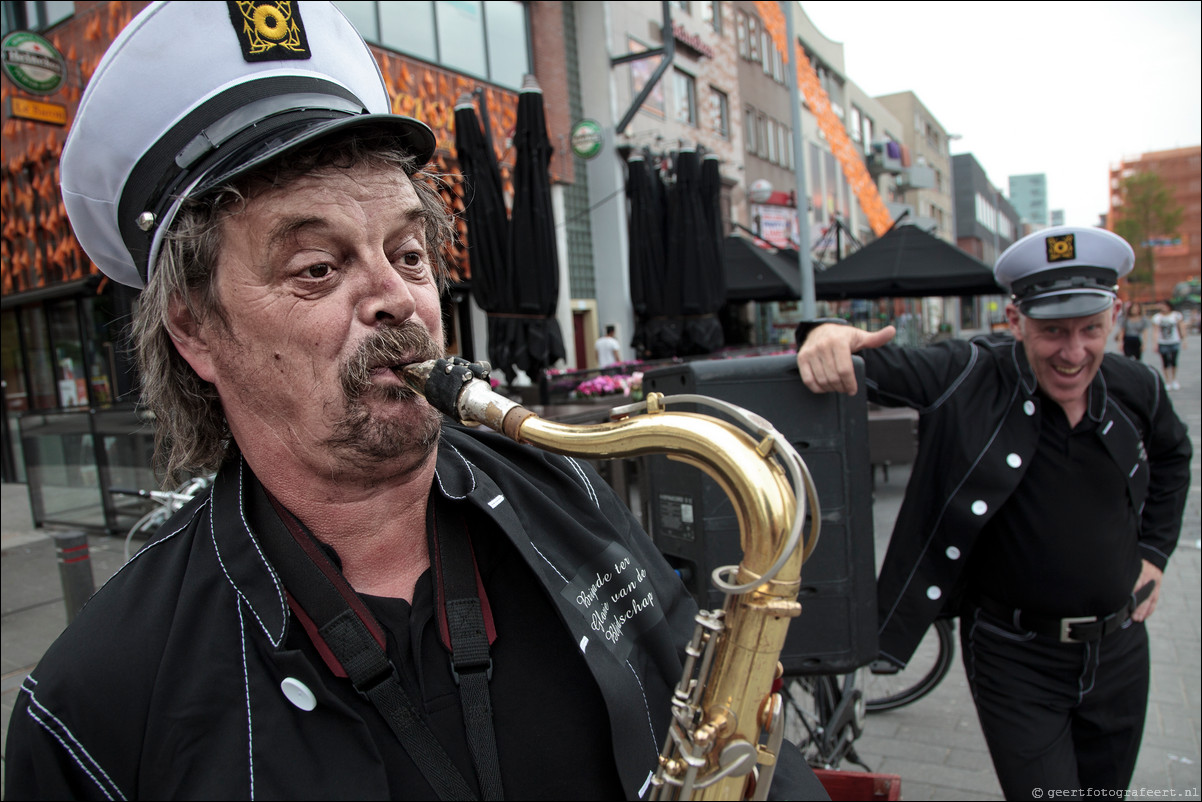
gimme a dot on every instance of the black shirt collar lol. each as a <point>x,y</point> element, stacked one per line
<point>233,526</point>
<point>1096,409</point>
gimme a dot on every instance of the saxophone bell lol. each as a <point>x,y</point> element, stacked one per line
<point>726,726</point>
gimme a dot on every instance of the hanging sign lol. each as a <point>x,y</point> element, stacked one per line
<point>38,110</point>
<point>32,63</point>
<point>587,139</point>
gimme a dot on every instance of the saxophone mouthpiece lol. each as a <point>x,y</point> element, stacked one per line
<point>417,374</point>
<point>448,384</point>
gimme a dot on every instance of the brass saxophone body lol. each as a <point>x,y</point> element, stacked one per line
<point>726,718</point>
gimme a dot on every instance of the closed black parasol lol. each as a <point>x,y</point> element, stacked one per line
<point>529,331</point>
<point>676,281</point>
<point>703,332</point>
<point>515,265</point>
<point>654,333</point>
<point>484,213</point>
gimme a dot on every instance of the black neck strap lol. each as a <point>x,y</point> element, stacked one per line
<point>352,642</point>
<point>465,624</point>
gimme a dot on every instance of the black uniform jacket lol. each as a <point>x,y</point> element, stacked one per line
<point>167,685</point>
<point>978,429</point>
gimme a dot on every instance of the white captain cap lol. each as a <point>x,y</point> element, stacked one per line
<point>191,95</point>
<point>1065,271</point>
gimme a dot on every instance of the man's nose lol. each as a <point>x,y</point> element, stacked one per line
<point>388,298</point>
<point>1074,349</point>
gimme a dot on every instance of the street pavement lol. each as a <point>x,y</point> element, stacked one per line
<point>934,745</point>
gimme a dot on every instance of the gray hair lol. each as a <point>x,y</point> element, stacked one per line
<point>192,435</point>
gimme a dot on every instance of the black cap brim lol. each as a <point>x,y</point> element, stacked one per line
<point>1066,305</point>
<point>414,136</point>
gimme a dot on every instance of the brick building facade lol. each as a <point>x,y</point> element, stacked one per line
<point>1178,259</point>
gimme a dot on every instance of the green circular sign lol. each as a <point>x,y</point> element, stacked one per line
<point>32,63</point>
<point>587,140</point>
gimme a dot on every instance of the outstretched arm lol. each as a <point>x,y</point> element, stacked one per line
<point>824,359</point>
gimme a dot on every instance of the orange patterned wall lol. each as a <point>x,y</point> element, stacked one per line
<point>37,247</point>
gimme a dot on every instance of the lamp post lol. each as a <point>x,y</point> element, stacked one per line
<point>806,264</point>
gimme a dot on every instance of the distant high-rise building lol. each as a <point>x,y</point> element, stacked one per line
<point>1029,195</point>
<point>1058,217</point>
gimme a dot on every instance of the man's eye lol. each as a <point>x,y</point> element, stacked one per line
<point>318,271</point>
<point>412,259</point>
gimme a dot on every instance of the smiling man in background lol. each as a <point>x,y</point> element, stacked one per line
<point>1044,503</point>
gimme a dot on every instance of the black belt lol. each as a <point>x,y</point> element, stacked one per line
<point>1075,629</point>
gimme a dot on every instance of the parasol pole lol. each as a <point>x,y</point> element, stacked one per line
<point>805,263</point>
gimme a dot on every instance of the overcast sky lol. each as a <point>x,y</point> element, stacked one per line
<point>1062,88</point>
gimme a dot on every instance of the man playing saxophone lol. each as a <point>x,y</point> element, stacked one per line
<point>371,602</point>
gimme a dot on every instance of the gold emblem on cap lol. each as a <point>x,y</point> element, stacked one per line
<point>1061,248</point>
<point>268,25</point>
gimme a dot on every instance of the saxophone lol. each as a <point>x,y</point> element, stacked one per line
<point>727,722</point>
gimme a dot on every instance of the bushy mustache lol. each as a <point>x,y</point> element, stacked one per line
<point>388,347</point>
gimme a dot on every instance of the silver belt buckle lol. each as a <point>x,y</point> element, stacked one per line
<point>1067,623</point>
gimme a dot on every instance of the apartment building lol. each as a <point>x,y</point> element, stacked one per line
<point>693,102</point>
<point>928,195</point>
<point>986,224</point>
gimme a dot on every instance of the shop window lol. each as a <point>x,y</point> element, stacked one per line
<point>640,74</point>
<point>70,369</point>
<point>488,40</point>
<point>100,327</point>
<point>43,393</point>
<point>362,14</point>
<point>508,59</point>
<point>409,28</point>
<point>461,37</point>
<point>720,112</point>
<point>31,16</point>
<point>685,88</point>
<point>16,394</point>
<point>854,126</point>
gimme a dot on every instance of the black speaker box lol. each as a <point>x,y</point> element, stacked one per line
<point>693,523</point>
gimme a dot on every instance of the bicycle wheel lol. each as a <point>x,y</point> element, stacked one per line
<point>808,702</point>
<point>926,669</point>
<point>824,715</point>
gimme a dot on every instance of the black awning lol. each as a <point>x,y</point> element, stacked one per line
<point>907,262</point>
<point>754,273</point>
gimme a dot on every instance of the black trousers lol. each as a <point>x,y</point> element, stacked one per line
<point>1057,716</point>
